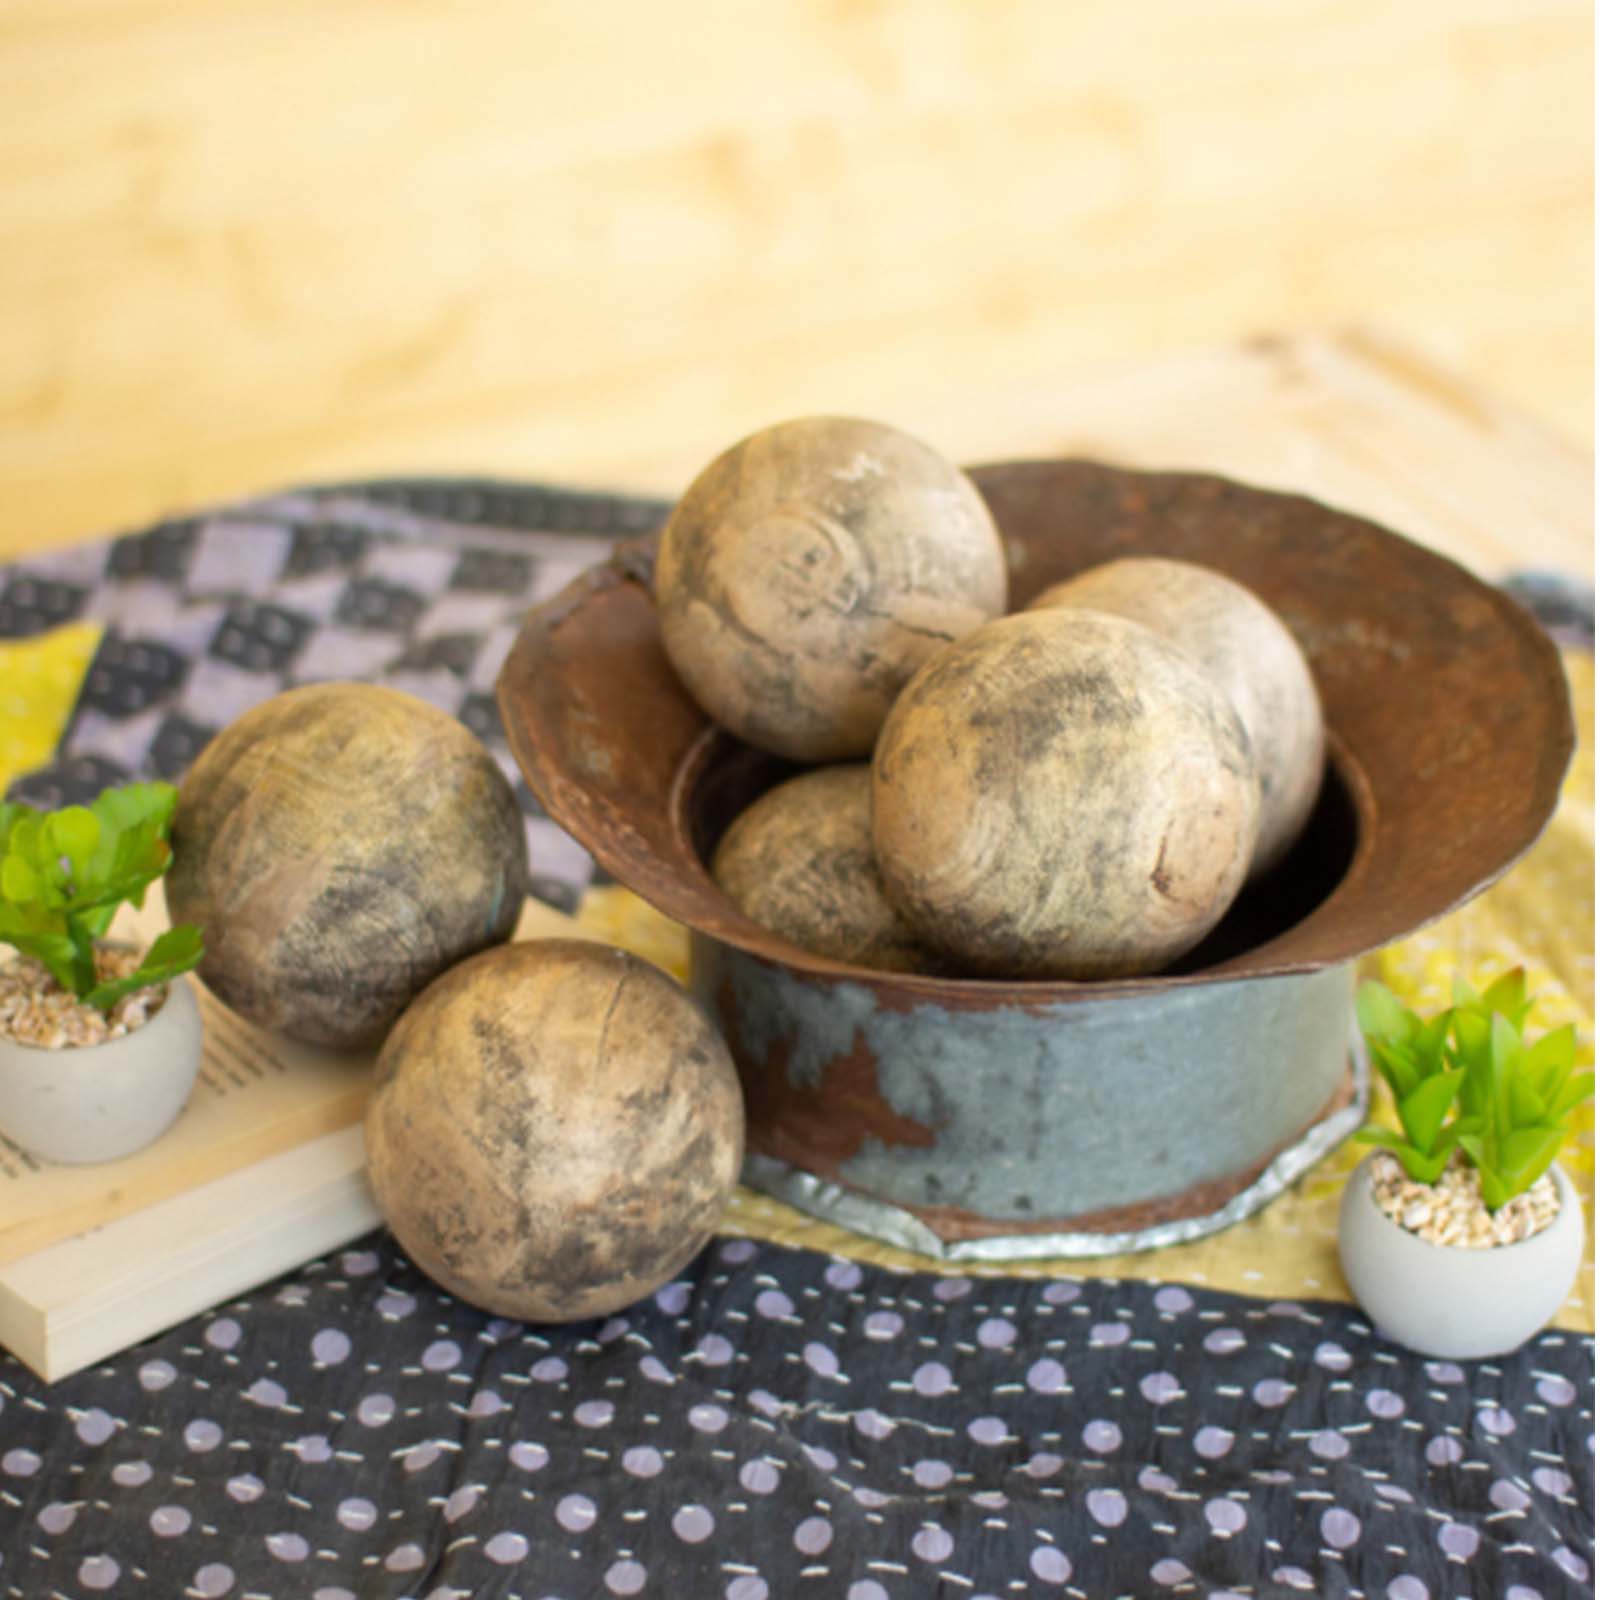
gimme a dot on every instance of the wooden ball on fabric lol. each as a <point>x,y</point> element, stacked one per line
<point>342,844</point>
<point>809,570</point>
<point>555,1130</point>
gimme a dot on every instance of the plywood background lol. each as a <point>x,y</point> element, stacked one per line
<point>247,242</point>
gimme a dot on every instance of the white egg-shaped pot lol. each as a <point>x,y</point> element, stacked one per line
<point>1448,1301</point>
<point>99,1102</point>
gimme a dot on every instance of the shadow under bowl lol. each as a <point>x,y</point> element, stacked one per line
<point>973,1118</point>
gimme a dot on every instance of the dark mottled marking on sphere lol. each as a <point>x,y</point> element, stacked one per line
<point>810,569</point>
<point>555,1130</point>
<point>341,845</point>
<point>1063,795</point>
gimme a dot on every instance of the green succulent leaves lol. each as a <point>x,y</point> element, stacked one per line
<point>1410,1053</point>
<point>1510,1098</point>
<point>1516,1096</point>
<point>63,874</point>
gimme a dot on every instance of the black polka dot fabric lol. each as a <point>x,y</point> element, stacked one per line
<point>779,1423</point>
<point>773,1423</point>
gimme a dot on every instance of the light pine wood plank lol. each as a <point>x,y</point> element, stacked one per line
<point>247,242</point>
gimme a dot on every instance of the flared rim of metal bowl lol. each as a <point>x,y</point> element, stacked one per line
<point>1447,708</point>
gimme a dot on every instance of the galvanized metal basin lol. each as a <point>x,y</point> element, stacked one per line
<point>974,1118</point>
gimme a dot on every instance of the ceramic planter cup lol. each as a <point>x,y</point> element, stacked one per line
<point>1450,1302</point>
<point>101,1101</point>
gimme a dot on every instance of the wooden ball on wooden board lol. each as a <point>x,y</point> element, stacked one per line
<point>1246,647</point>
<point>799,861</point>
<point>809,570</point>
<point>1063,795</point>
<point>554,1130</point>
<point>341,844</point>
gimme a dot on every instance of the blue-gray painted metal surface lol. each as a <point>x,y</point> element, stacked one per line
<point>1047,1112</point>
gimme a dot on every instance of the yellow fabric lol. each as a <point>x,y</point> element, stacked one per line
<point>1540,916</point>
<point>39,682</point>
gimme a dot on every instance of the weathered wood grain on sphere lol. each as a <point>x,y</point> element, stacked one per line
<point>1063,795</point>
<point>799,860</point>
<point>809,570</point>
<point>555,1129</point>
<point>341,844</point>
<point>1246,647</point>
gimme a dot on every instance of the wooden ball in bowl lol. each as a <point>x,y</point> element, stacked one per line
<point>1063,794</point>
<point>799,861</point>
<point>1242,643</point>
<point>809,570</point>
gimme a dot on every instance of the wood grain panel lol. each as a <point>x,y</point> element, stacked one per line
<point>244,242</point>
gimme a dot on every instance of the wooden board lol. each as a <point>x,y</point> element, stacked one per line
<point>250,242</point>
<point>1356,418</point>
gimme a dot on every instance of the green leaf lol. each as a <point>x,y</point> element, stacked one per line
<point>1471,1052</point>
<point>54,951</point>
<point>1505,1045</point>
<point>1495,1190</point>
<point>177,951</point>
<point>73,832</point>
<point>18,880</point>
<point>37,875</point>
<point>1547,1061</point>
<point>1380,1014</point>
<point>1430,1042</point>
<point>178,948</point>
<point>1423,1111</point>
<point>84,972</point>
<point>1471,1030</point>
<point>11,812</point>
<point>25,836</point>
<point>1530,1144</point>
<point>63,875</point>
<point>1395,1062</point>
<point>1527,1104</point>
<point>1572,1094</point>
<point>1508,996</point>
<point>1526,1154</point>
<point>1421,1167</point>
<point>134,805</point>
<point>1376,1133</point>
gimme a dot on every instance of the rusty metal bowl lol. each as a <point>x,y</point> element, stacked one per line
<point>970,1118</point>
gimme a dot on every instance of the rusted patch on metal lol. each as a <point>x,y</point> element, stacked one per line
<point>820,1125</point>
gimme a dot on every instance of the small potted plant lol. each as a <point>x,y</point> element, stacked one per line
<point>1461,1235</point>
<point>99,1042</point>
